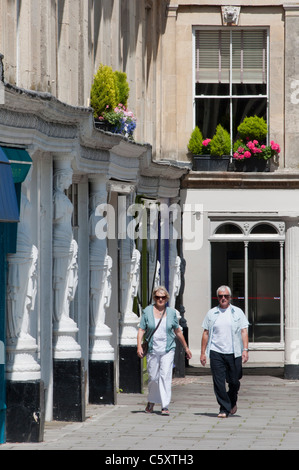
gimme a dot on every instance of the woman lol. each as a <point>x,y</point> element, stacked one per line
<point>161,348</point>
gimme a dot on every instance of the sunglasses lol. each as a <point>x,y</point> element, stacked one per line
<point>223,295</point>
<point>160,298</point>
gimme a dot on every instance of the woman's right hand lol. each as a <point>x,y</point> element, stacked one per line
<point>140,335</point>
<point>139,351</point>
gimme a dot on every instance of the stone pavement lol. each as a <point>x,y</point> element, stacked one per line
<point>267,419</point>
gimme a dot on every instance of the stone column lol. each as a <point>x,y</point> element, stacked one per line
<point>24,386</point>
<point>67,352</point>
<point>291,85</point>
<point>291,300</point>
<point>101,353</point>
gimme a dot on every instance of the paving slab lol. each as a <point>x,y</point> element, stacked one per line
<point>267,419</point>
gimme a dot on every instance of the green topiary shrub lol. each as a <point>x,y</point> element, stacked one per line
<point>104,90</point>
<point>252,128</point>
<point>123,87</point>
<point>195,142</point>
<point>221,142</point>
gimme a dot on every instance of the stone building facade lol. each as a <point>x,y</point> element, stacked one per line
<point>82,293</point>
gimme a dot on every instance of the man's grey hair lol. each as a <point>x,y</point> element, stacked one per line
<point>222,288</point>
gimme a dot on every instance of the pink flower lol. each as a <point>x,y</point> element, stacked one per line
<point>206,142</point>
<point>247,154</point>
<point>275,146</point>
<point>238,156</point>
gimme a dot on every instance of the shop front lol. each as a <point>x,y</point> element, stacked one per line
<point>249,243</point>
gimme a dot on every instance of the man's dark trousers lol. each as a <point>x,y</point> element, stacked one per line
<point>226,368</point>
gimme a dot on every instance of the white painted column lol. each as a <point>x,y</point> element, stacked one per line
<point>291,299</point>
<point>22,285</point>
<point>129,275</point>
<point>100,274</point>
<point>65,266</point>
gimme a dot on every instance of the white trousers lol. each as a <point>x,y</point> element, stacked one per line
<point>159,367</point>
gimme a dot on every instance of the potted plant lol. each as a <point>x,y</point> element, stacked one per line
<point>210,154</point>
<point>250,151</point>
<point>195,142</point>
<point>122,120</point>
<point>103,93</point>
<point>108,97</point>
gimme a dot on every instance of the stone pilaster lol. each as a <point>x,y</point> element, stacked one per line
<point>291,85</point>
<point>291,300</point>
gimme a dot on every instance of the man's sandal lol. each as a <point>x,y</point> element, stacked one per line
<point>222,415</point>
<point>149,407</point>
<point>165,411</point>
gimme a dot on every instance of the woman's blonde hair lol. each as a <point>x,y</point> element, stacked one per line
<point>163,289</point>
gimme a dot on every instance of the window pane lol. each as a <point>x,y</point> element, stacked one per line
<point>228,228</point>
<point>264,228</point>
<point>249,60</point>
<point>228,269</point>
<point>264,291</point>
<point>247,107</point>
<point>212,89</point>
<point>249,89</point>
<point>212,56</point>
<point>209,113</point>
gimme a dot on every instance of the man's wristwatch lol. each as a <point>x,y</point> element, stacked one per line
<point>245,349</point>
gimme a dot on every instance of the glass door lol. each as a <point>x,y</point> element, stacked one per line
<point>253,272</point>
<point>264,292</point>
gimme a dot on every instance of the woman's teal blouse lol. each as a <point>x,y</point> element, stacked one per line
<point>147,324</point>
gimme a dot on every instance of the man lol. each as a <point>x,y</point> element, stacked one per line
<point>225,341</point>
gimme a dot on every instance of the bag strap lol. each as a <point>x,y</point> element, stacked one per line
<point>156,326</point>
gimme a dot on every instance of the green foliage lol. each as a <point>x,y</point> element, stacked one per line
<point>195,142</point>
<point>104,91</point>
<point>123,87</point>
<point>239,143</point>
<point>221,142</point>
<point>253,127</point>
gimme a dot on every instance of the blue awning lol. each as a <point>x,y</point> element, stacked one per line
<point>9,211</point>
<point>20,162</point>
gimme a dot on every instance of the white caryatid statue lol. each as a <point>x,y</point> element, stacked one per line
<point>65,267</point>
<point>100,264</point>
<point>174,280</point>
<point>21,347</point>
<point>129,286</point>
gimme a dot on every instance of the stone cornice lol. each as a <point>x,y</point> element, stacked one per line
<point>280,179</point>
<point>40,122</point>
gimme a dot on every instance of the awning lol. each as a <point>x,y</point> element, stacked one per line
<point>20,162</point>
<point>9,211</point>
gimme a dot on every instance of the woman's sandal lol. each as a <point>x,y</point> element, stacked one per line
<point>222,415</point>
<point>165,411</point>
<point>149,407</point>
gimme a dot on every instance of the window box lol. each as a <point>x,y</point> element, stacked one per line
<point>251,164</point>
<point>211,163</point>
<point>103,125</point>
